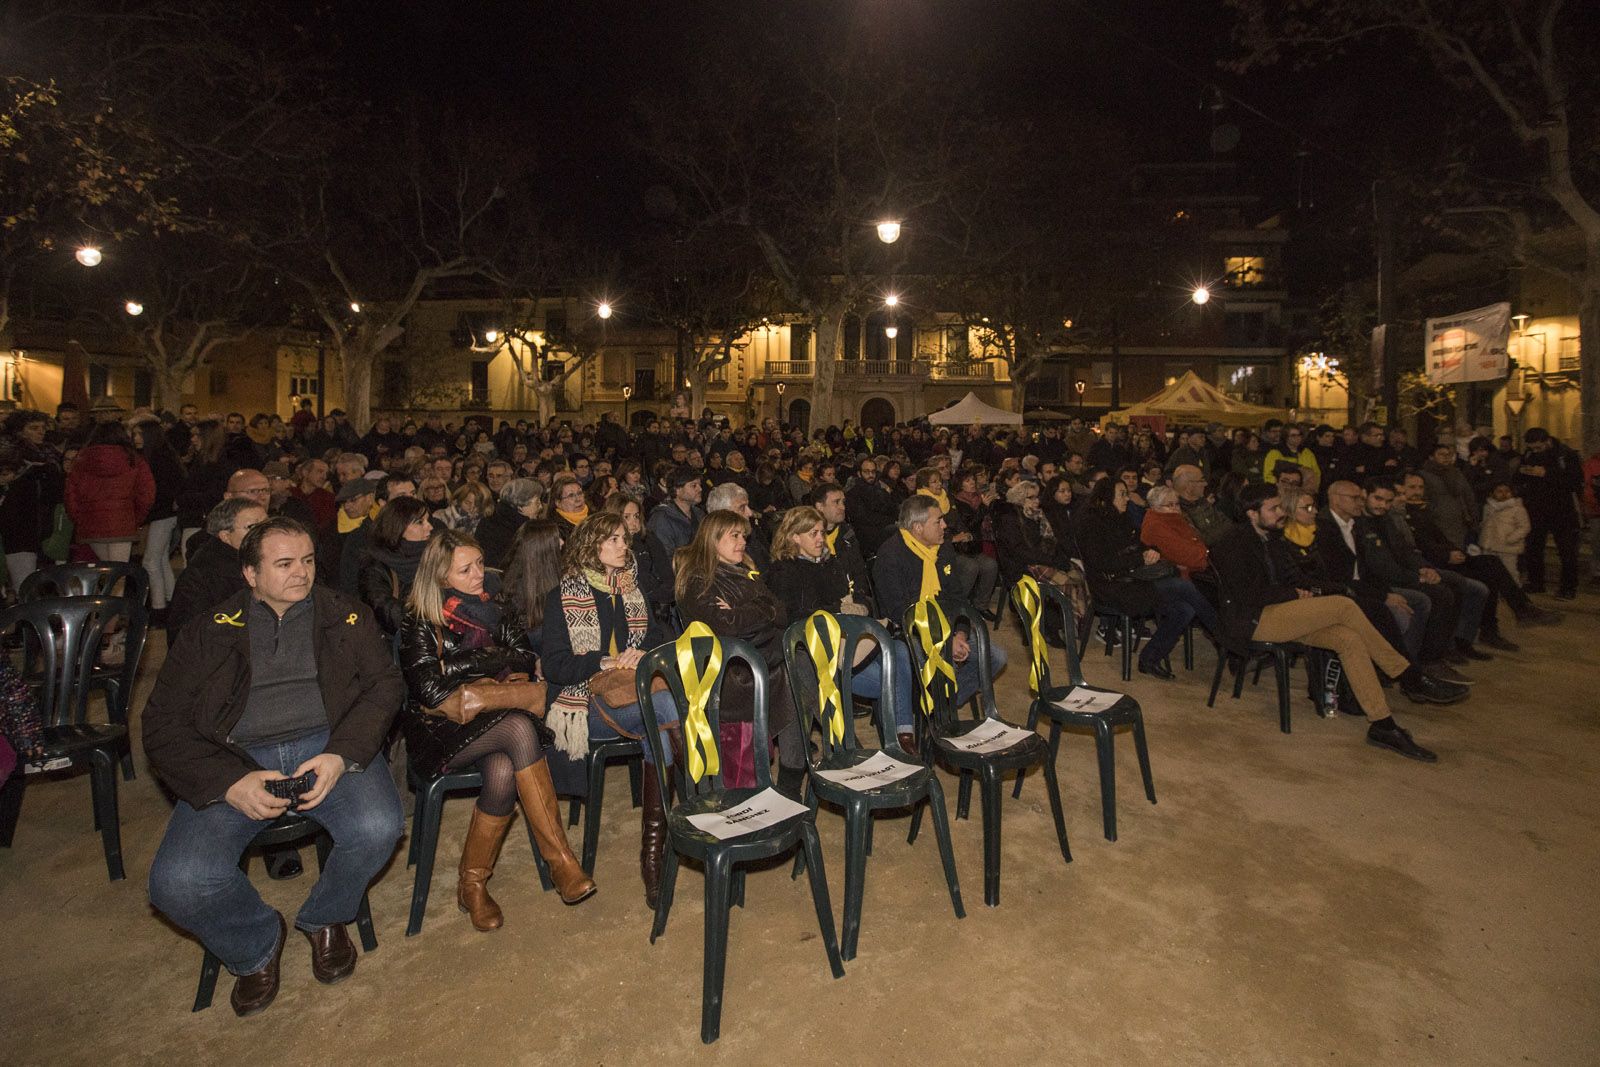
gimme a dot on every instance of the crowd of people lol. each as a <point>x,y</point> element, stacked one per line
<point>488,588</point>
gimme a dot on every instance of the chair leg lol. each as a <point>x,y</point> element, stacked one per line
<point>916,824</point>
<point>591,812</point>
<point>1127,648</point>
<point>103,792</point>
<point>947,856</point>
<point>857,823</point>
<point>669,881</point>
<point>1238,678</point>
<point>1280,670</point>
<point>117,712</point>
<point>1033,724</point>
<point>736,897</point>
<point>989,791</point>
<point>1106,753</point>
<point>718,887</point>
<point>870,826</point>
<point>1143,750</point>
<point>1216,678</point>
<point>1260,663</point>
<point>964,795</point>
<point>11,806</point>
<point>636,779</point>
<point>425,845</point>
<point>1188,647</point>
<point>417,805</point>
<point>573,807</point>
<point>210,968</point>
<point>1054,784</point>
<point>819,896</point>
<point>808,796</point>
<point>539,864</point>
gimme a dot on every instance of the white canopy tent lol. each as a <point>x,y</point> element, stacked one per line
<point>969,409</point>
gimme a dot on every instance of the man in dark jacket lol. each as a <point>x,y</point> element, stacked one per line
<point>1547,480</point>
<point>1267,597</point>
<point>870,507</point>
<point>286,680</point>
<point>355,499</point>
<point>213,573</point>
<point>675,520</point>
<point>828,499</point>
<point>1387,556</point>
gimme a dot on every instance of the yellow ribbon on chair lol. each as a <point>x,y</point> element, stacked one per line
<point>923,618</point>
<point>825,657</point>
<point>1031,600</point>
<point>699,744</point>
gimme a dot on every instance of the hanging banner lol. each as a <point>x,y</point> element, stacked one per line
<point>1469,347</point>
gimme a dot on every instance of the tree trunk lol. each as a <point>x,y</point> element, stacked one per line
<point>697,391</point>
<point>825,404</point>
<point>358,361</point>
<point>545,394</point>
<point>168,385</point>
<point>1589,347</point>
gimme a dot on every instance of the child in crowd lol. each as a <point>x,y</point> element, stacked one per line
<point>1505,526</point>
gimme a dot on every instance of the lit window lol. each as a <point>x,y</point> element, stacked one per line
<point>1246,270</point>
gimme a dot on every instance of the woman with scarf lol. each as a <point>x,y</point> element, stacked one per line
<point>597,626</point>
<point>389,565</point>
<point>714,586</point>
<point>568,508</point>
<point>456,634</point>
<point>1300,526</point>
<point>1026,543</point>
<point>808,577</point>
<point>652,561</point>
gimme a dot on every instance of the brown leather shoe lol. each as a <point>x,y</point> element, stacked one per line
<point>538,796</point>
<point>907,741</point>
<point>333,957</point>
<point>253,992</point>
<point>478,856</point>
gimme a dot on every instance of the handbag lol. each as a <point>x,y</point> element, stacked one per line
<point>472,699</point>
<point>1154,572</point>
<point>614,688</point>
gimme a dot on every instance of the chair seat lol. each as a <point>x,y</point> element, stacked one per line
<point>1024,753</point>
<point>1125,708</point>
<point>898,793</point>
<point>693,841</point>
<point>67,740</point>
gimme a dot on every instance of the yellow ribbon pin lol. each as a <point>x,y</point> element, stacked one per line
<point>936,669</point>
<point>825,657</point>
<point>699,743</point>
<point>350,619</point>
<point>1031,600</point>
<point>228,620</point>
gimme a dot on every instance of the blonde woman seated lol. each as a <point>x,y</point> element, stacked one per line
<point>597,619</point>
<point>456,633</point>
<point>808,578</point>
<point>714,586</point>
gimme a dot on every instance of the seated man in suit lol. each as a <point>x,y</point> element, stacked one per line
<point>915,564</point>
<point>284,680</point>
<point>1267,597</point>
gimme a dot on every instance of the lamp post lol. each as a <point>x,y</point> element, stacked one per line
<point>889,231</point>
<point>627,395</point>
<point>781,387</point>
<point>1078,387</point>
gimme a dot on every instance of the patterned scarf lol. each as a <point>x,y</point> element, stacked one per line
<point>568,717</point>
<point>474,619</point>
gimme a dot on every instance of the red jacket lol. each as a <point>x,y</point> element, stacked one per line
<point>109,493</point>
<point>1171,534</point>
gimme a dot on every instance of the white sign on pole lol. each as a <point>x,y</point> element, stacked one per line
<point>1469,347</point>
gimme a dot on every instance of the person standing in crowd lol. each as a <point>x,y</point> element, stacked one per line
<point>456,633</point>
<point>243,699</point>
<point>110,491</point>
<point>167,474</point>
<point>1505,526</point>
<point>1548,479</point>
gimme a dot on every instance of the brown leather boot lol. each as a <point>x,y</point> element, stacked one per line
<point>538,795</point>
<point>484,836</point>
<point>652,836</point>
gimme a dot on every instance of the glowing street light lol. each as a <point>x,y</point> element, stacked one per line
<point>892,300</point>
<point>134,308</point>
<point>491,336</point>
<point>889,231</point>
<point>604,310</point>
<point>1200,295</point>
<point>355,307</point>
<point>891,332</point>
<point>88,255</point>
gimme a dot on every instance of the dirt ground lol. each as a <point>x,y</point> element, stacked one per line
<point>1292,899</point>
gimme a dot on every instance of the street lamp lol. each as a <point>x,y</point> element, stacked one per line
<point>889,231</point>
<point>355,307</point>
<point>604,310</point>
<point>781,388</point>
<point>1200,295</point>
<point>88,255</point>
<point>627,395</point>
<point>892,300</point>
<point>134,308</point>
<point>491,336</point>
<point>1078,387</point>
<point>891,332</point>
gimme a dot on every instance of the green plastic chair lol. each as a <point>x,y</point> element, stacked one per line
<point>724,883</point>
<point>939,724</point>
<point>839,647</point>
<point>1032,599</point>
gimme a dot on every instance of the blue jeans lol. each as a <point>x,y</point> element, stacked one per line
<point>1415,627</point>
<point>196,882</point>
<point>1178,604</point>
<point>867,680</point>
<point>631,719</point>
<point>1474,595</point>
<point>967,678</point>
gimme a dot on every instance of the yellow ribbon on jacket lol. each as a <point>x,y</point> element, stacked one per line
<point>932,628</point>
<point>832,537</point>
<point>1031,600</point>
<point>825,657</point>
<point>231,620</point>
<point>699,743</point>
<point>929,554</point>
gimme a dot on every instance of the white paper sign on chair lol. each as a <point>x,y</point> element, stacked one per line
<point>882,769</point>
<point>991,735</point>
<point>1087,701</point>
<point>767,808</point>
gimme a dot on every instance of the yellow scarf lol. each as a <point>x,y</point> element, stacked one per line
<point>346,523</point>
<point>832,537</point>
<point>941,498</point>
<point>574,517</point>
<point>929,554</point>
<point>1299,533</point>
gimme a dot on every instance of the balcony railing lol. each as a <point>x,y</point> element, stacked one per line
<point>964,371</point>
<point>884,368</point>
<point>790,369</point>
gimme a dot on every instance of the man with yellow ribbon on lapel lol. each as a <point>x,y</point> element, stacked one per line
<point>918,563</point>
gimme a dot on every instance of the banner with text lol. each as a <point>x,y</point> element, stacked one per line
<point>1469,347</point>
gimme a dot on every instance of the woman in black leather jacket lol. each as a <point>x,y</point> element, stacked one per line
<point>717,586</point>
<point>456,633</point>
<point>389,565</point>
